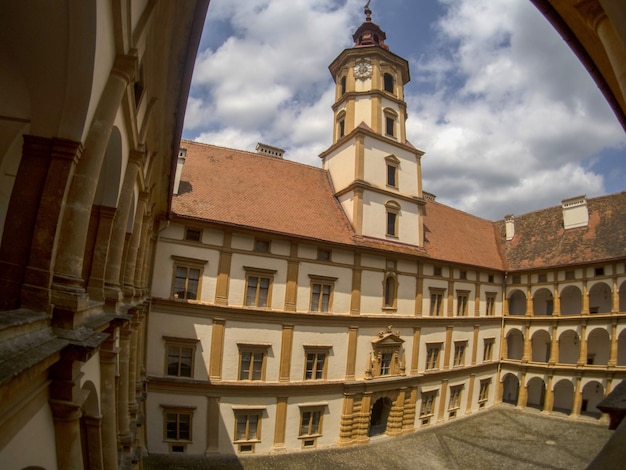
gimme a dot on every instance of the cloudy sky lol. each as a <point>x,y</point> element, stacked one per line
<point>509,119</point>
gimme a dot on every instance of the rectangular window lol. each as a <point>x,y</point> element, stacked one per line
<point>186,282</point>
<point>428,404</point>
<point>542,277</point>
<point>179,356</point>
<point>385,363</point>
<point>490,304</point>
<point>599,271</point>
<point>455,397</point>
<point>252,361</point>
<point>193,235</point>
<point>483,394</point>
<point>517,279</point>
<point>392,219</point>
<point>320,296</point>
<point>432,356</point>
<point>315,361</point>
<point>323,255</point>
<point>437,271</point>
<point>392,175</point>
<point>488,349</point>
<point>490,278</point>
<point>463,274</point>
<point>257,291</point>
<point>569,275</point>
<point>342,128</point>
<point>436,302</point>
<point>459,353</point>
<point>177,424</point>
<point>389,126</point>
<point>461,303</point>
<point>311,422</point>
<point>247,429</point>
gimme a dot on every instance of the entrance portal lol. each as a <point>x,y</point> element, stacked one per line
<point>378,419</point>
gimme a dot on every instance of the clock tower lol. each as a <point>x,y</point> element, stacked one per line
<point>376,172</point>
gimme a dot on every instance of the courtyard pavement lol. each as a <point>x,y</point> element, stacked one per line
<point>502,437</point>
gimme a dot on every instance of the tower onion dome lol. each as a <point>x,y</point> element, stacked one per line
<point>369,34</point>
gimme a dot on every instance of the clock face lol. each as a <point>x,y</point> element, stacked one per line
<point>363,69</point>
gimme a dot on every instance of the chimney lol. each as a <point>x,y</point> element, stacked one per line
<point>429,196</point>
<point>265,149</point>
<point>182,155</point>
<point>575,212</point>
<point>509,226</point>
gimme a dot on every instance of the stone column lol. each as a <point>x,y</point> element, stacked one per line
<point>122,405</point>
<point>556,311</point>
<point>577,398</point>
<point>410,401</point>
<point>346,425</point>
<point>94,442</point>
<point>133,246</point>
<point>529,302</point>
<point>447,347</point>
<point>281,423</point>
<point>108,365</point>
<point>144,243</point>
<point>217,349</point>
<point>95,285</point>
<point>394,421</point>
<point>364,418</point>
<point>475,344</point>
<point>615,294</point>
<point>582,355</point>
<point>527,355</point>
<point>416,350</point>
<point>351,359</point>
<point>585,308</point>
<point>450,302</point>
<point>223,271</point>
<point>355,295</point>
<point>75,219</point>
<point>112,284</point>
<point>523,392</point>
<point>499,390</point>
<point>613,348</point>
<point>64,155</point>
<point>470,394</point>
<point>554,347</point>
<point>291,294</point>
<point>285,354</point>
<point>419,291</point>
<point>132,366</point>
<point>548,404</point>
<point>66,416</point>
<point>442,400</point>
<point>213,426</point>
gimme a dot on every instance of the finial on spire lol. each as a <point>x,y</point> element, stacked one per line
<point>368,12</point>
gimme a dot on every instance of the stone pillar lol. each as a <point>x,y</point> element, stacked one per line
<point>144,244</point>
<point>66,416</point>
<point>529,302</point>
<point>499,390</point>
<point>415,351</point>
<point>355,294</point>
<point>410,400</point>
<point>475,344</point>
<point>556,311</point>
<point>477,299</point>
<point>285,354</point>
<point>419,291</point>
<point>133,246</point>
<point>112,284</point>
<point>364,418</point>
<point>291,294</point>
<point>505,305</point>
<point>64,155</point>
<point>346,425</point>
<point>95,284</point>
<point>75,220</point>
<point>394,421</point>
<point>613,348</point>
<point>122,405</point>
<point>527,355</point>
<point>450,302</point>
<point>582,355</point>
<point>577,398</point>
<point>21,217</point>
<point>470,394</point>
<point>223,271</point>
<point>447,347</point>
<point>108,365</point>
<point>132,366</point>
<point>585,308</point>
<point>523,392</point>
<point>94,442</point>
<point>351,359</point>
<point>281,423</point>
<point>213,426</point>
<point>548,404</point>
<point>442,400</point>
<point>217,349</point>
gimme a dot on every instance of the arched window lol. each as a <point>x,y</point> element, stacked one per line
<point>393,215</point>
<point>341,124</point>
<point>390,291</point>
<point>388,79</point>
<point>391,117</point>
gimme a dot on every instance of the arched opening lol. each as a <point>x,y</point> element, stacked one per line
<point>510,389</point>
<point>569,347</point>
<point>563,396</point>
<point>571,301</point>
<point>541,346</point>
<point>90,434</point>
<point>379,415</point>
<point>514,345</point>
<point>598,347</point>
<point>543,302</point>
<point>111,172</point>
<point>600,298</point>
<point>622,297</point>
<point>593,393</point>
<point>517,303</point>
<point>621,348</point>
<point>536,393</point>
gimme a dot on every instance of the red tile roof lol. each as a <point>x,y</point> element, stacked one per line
<point>540,240</point>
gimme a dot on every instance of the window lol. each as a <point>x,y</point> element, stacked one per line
<point>321,293</point>
<point>437,271</point>
<point>432,356</point>
<point>483,394</point>
<point>428,404</point>
<point>393,212</point>
<point>488,349</point>
<point>315,362</point>
<point>490,304</point>
<point>385,363</point>
<point>436,302</point>
<point>461,303</point>
<point>177,427</point>
<point>179,356</point>
<point>459,353</point>
<point>342,128</point>
<point>388,79</point>
<point>258,287</point>
<point>463,274</point>
<point>343,85</point>
<point>193,235</point>
<point>187,277</point>
<point>455,397</point>
<point>599,271</point>
<point>252,359</point>
<point>247,429</point>
<point>517,279</point>
<point>390,288</point>
<point>542,277</point>
<point>387,357</point>
<point>262,246</point>
<point>393,164</point>
<point>323,255</point>
<point>569,275</point>
<point>389,126</point>
<point>490,278</point>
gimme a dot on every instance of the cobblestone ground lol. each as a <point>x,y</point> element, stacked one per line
<point>500,438</point>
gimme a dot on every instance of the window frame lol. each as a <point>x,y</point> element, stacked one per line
<point>389,83</point>
<point>459,353</point>
<point>178,410</point>
<point>171,342</point>
<point>321,281</point>
<point>191,230</point>
<point>456,397</point>
<point>247,440</point>
<point>488,345</point>
<point>390,120</point>
<point>429,398</point>
<point>390,291</point>
<point>462,303</point>
<point>392,163</point>
<point>181,262</point>
<point>490,304</point>
<point>253,349</point>
<point>437,296</point>
<point>483,391</point>
<point>316,349</point>
<point>433,364</point>
<point>259,273</point>
<point>262,245</point>
<point>392,218</point>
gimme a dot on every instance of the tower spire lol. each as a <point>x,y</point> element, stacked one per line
<point>369,34</point>
<point>368,12</point>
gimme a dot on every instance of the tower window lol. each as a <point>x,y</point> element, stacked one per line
<point>342,128</point>
<point>343,85</point>
<point>393,212</point>
<point>389,126</point>
<point>388,79</point>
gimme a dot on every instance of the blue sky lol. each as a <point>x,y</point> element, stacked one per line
<point>509,119</point>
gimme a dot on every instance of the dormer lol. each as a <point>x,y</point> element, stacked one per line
<point>575,212</point>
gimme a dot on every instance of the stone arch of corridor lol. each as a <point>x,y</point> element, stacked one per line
<point>569,347</point>
<point>514,344</point>
<point>541,344</point>
<point>517,303</point>
<point>510,388</point>
<point>600,298</point>
<point>563,396</point>
<point>543,302</point>
<point>571,301</point>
